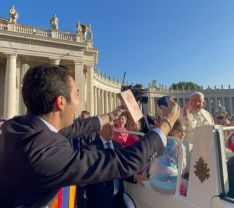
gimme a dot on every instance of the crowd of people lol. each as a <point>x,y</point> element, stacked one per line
<point>163,170</point>
<point>47,149</point>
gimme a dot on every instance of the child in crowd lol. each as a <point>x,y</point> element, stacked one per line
<point>164,169</point>
<point>124,124</point>
<point>131,126</point>
<point>120,125</point>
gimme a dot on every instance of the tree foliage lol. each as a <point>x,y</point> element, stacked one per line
<point>185,86</point>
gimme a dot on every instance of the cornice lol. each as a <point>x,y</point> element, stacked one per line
<point>44,41</point>
<point>106,84</point>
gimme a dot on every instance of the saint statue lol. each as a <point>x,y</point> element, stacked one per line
<point>153,84</point>
<point>79,28</point>
<point>13,14</point>
<point>88,33</point>
<point>54,23</point>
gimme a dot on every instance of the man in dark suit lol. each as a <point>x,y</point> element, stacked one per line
<point>36,158</point>
<point>86,139</point>
<point>108,194</point>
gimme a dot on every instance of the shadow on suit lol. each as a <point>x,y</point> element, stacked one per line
<point>100,195</point>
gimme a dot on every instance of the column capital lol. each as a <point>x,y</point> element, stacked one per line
<point>89,65</point>
<point>10,54</point>
<point>78,62</point>
<point>54,61</point>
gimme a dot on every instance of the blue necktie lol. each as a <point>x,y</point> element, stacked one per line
<point>116,181</point>
<point>108,145</point>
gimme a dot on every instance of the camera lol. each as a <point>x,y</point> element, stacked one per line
<point>137,91</point>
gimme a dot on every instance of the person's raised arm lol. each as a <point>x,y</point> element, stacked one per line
<point>171,114</point>
<point>110,117</point>
<point>83,127</point>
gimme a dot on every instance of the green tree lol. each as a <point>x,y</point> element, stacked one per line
<point>185,86</point>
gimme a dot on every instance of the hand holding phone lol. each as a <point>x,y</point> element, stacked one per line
<point>163,101</point>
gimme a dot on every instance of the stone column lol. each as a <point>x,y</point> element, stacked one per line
<point>95,100</point>
<point>85,83</point>
<point>223,103</point>
<point>209,106</point>
<point>231,105</point>
<point>106,110</point>
<point>149,104</point>
<point>10,87</point>
<point>215,103</point>
<point>90,94</point>
<point>110,101</point>
<point>118,101</point>
<point>156,112</point>
<point>102,98</point>
<point>18,86</point>
<point>99,101</point>
<point>114,100</point>
<point>152,103</point>
<point>79,77</point>
<point>24,68</point>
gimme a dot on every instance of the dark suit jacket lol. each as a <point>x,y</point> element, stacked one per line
<point>35,162</point>
<point>147,121</point>
<point>102,194</point>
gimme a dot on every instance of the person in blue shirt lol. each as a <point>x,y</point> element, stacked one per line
<point>164,169</point>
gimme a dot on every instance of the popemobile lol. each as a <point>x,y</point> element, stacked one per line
<point>208,183</point>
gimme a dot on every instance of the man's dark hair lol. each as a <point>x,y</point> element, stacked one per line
<point>42,85</point>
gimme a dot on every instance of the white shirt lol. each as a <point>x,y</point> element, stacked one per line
<point>49,125</point>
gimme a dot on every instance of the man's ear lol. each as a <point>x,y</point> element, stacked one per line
<point>59,102</point>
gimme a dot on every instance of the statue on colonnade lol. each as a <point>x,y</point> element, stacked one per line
<point>79,29</point>
<point>54,23</point>
<point>13,15</point>
<point>88,33</point>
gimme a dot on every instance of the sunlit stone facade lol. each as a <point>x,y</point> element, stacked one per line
<point>23,46</point>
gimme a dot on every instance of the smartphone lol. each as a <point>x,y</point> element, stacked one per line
<point>163,100</point>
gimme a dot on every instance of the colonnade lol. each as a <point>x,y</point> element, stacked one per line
<point>104,101</point>
<point>93,97</point>
<point>97,95</point>
<point>14,71</point>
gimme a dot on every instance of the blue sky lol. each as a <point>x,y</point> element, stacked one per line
<point>164,40</point>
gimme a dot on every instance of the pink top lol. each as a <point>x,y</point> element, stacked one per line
<point>124,139</point>
<point>131,139</point>
<point>120,136</point>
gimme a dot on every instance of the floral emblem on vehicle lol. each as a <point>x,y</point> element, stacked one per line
<point>201,170</point>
